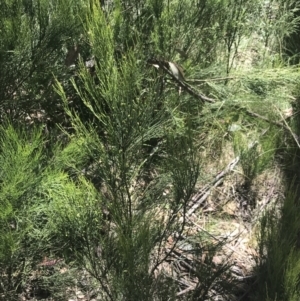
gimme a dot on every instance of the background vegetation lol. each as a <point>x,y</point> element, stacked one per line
<point>120,182</point>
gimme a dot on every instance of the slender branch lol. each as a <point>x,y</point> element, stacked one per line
<point>296,138</point>
<point>277,123</point>
<point>162,64</point>
<point>188,88</point>
<point>191,91</point>
<point>209,79</point>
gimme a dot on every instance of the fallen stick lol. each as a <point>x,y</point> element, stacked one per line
<point>201,196</point>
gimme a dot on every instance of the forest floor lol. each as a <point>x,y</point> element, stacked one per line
<point>223,213</point>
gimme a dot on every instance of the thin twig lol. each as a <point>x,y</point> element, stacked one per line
<point>209,79</point>
<point>279,124</point>
<point>201,196</point>
<point>185,85</point>
<point>295,137</point>
<point>190,288</point>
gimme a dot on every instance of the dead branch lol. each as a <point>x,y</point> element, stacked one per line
<point>202,195</point>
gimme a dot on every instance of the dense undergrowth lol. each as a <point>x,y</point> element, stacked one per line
<point>111,166</point>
